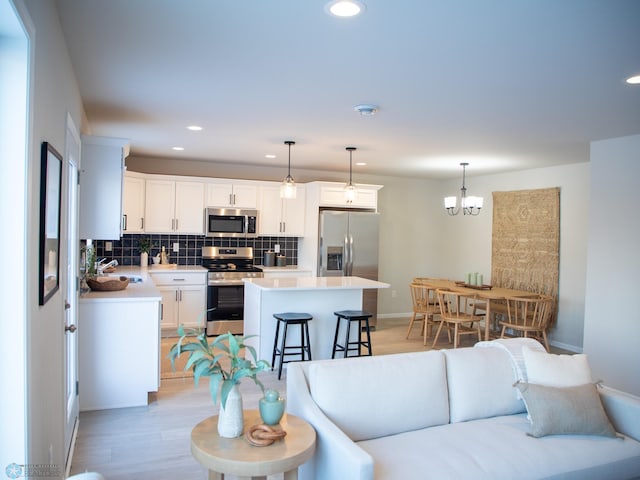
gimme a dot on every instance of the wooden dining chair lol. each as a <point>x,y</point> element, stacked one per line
<point>529,316</point>
<point>425,309</point>
<point>454,312</point>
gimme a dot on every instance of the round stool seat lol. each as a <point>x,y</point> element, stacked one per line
<point>292,316</point>
<point>353,314</point>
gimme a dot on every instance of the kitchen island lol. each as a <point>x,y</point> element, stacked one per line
<point>318,296</point>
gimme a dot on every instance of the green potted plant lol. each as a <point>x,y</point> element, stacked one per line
<point>90,268</point>
<point>205,360</point>
<point>144,245</point>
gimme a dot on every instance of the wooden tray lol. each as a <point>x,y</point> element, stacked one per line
<point>475,287</point>
<point>109,284</point>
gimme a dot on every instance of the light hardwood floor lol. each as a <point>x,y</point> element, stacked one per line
<point>153,442</point>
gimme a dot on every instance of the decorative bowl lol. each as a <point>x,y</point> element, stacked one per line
<point>107,284</point>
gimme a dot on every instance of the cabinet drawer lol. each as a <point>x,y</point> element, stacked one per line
<point>176,278</point>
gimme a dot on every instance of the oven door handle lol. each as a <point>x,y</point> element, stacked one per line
<point>223,283</point>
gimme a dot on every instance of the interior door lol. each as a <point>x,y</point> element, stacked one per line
<point>72,156</point>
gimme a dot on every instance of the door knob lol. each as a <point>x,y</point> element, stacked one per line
<point>70,328</point>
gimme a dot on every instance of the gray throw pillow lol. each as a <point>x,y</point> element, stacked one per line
<point>565,410</point>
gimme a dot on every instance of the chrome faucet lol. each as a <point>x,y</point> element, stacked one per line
<point>101,268</point>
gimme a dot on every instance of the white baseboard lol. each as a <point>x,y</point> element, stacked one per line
<point>565,346</point>
<point>395,315</point>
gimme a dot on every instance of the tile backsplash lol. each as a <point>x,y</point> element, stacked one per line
<point>127,252</point>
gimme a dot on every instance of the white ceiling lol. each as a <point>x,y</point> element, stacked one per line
<point>503,84</point>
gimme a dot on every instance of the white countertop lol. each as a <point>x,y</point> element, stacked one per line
<point>287,268</point>
<point>315,283</point>
<point>145,291</point>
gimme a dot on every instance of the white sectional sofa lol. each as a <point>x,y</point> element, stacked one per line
<point>448,414</point>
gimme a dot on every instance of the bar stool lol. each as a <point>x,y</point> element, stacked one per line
<point>287,319</point>
<point>349,346</point>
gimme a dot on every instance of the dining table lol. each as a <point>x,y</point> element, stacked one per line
<point>483,292</point>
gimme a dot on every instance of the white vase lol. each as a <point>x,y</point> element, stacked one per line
<point>144,259</point>
<point>231,418</point>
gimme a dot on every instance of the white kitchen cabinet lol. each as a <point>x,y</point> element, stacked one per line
<point>184,298</point>
<point>228,194</point>
<point>282,217</point>
<point>133,204</point>
<point>101,171</point>
<point>333,196</point>
<point>118,352</point>
<point>174,207</point>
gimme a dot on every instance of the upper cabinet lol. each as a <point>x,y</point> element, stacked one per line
<point>334,196</point>
<point>133,203</point>
<point>100,201</point>
<point>174,207</point>
<point>231,194</point>
<point>282,217</point>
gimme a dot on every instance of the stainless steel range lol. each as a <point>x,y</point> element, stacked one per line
<point>225,289</point>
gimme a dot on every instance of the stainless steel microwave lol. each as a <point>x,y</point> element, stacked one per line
<point>230,222</point>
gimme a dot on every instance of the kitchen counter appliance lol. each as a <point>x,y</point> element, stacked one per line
<point>225,289</point>
<point>230,222</point>
<point>348,246</point>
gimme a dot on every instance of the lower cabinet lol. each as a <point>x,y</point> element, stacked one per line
<point>184,298</point>
<point>118,353</point>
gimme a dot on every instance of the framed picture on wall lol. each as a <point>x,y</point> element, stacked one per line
<point>50,197</point>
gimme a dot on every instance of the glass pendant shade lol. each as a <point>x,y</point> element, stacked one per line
<point>288,188</point>
<point>350,190</point>
<point>350,193</point>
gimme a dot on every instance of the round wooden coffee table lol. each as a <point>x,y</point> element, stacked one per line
<point>236,456</point>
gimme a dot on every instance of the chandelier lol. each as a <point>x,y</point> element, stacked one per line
<point>470,205</point>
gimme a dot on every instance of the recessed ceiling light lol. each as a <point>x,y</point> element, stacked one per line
<point>177,149</point>
<point>361,164</point>
<point>194,128</point>
<point>269,155</point>
<point>635,80</point>
<point>366,109</point>
<point>344,8</point>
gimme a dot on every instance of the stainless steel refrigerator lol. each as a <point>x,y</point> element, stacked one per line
<point>348,246</point>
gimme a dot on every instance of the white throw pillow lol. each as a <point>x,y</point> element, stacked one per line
<point>554,370</point>
<point>480,382</point>
<point>371,397</point>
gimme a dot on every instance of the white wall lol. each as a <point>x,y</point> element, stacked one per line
<point>612,319</point>
<point>14,62</point>
<point>55,93</point>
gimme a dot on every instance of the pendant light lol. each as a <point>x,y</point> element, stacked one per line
<point>470,205</point>
<point>288,188</point>
<point>350,191</point>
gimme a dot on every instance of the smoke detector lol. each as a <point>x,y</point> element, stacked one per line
<point>366,109</point>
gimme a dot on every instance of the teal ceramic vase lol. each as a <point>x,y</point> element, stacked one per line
<point>271,407</point>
